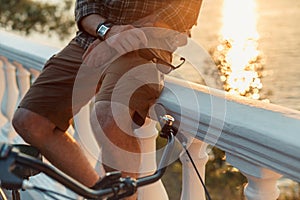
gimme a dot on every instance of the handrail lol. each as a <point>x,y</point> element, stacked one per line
<point>258,132</point>
<point>29,53</point>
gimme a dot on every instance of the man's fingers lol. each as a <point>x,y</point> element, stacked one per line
<point>128,40</point>
<point>141,37</point>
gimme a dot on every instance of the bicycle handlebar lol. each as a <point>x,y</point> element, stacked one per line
<point>10,157</point>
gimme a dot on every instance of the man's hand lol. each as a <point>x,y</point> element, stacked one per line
<point>120,40</point>
<point>126,38</point>
<point>161,35</point>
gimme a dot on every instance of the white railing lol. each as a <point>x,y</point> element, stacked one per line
<point>259,139</point>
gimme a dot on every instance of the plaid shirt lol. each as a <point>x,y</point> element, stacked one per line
<point>180,15</point>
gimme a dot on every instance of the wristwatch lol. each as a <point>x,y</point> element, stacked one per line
<point>103,29</point>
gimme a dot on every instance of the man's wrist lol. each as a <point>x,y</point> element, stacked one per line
<point>103,29</point>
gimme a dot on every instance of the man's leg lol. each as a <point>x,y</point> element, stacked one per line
<point>46,109</point>
<point>120,149</point>
<point>55,145</point>
<point>128,87</point>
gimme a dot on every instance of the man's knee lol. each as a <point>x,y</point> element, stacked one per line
<point>101,120</point>
<point>19,120</point>
<point>29,125</point>
<point>107,115</point>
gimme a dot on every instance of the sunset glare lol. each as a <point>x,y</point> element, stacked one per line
<point>237,55</point>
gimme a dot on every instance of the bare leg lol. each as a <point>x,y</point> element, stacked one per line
<point>120,149</point>
<point>57,146</point>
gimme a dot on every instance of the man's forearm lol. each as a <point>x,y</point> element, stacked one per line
<point>90,23</point>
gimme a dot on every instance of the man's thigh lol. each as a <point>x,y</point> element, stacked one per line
<point>132,82</point>
<point>51,94</point>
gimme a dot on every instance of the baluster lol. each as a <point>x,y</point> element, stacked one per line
<point>191,185</point>
<point>11,97</point>
<point>147,135</point>
<point>23,78</point>
<point>3,119</point>
<point>35,73</point>
<point>262,182</point>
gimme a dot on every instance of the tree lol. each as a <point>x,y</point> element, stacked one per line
<point>29,16</point>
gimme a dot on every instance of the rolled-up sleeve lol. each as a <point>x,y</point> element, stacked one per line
<point>181,15</point>
<point>84,8</point>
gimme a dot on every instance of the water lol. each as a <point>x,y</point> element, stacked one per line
<point>279,29</point>
<point>277,26</point>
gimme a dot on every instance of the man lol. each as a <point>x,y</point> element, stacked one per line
<point>115,28</point>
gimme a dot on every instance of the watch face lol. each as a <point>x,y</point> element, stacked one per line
<point>103,30</point>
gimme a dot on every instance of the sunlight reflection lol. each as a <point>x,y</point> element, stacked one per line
<point>237,56</point>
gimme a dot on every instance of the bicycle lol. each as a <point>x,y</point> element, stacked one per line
<point>20,162</point>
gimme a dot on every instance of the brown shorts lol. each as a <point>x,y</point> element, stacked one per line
<point>58,93</point>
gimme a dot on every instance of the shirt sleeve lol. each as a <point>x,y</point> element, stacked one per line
<point>84,8</point>
<point>181,15</point>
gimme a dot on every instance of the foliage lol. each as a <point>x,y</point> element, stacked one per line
<point>172,180</point>
<point>223,181</point>
<point>28,16</point>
